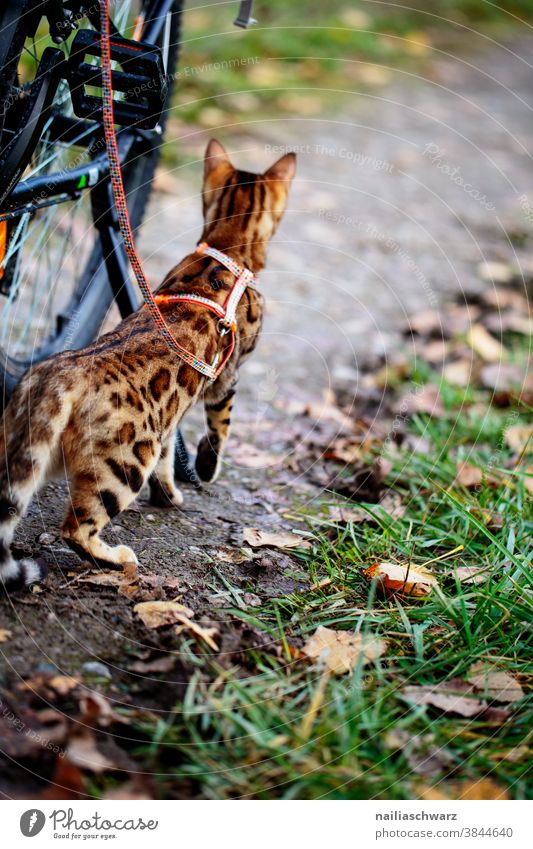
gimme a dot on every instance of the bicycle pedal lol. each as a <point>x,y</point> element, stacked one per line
<point>138,79</point>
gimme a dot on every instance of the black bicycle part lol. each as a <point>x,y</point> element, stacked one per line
<point>89,304</point>
<point>244,18</point>
<point>141,80</point>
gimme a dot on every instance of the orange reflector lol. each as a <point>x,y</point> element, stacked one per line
<point>138,27</point>
<point>3,245</point>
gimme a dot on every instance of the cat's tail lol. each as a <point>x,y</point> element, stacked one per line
<point>28,441</point>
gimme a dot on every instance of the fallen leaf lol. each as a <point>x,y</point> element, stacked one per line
<point>496,272</point>
<point>102,579</point>
<point>510,321</point>
<point>403,578</point>
<point>485,345</point>
<point>468,475</point>
<point>502,376</point>
<point>519,436</point>
<point>458,373</point>
<point>195,630</point>
<point>454,696</point>
<point>82,752</point>
<point>472,574</point>
<point>157,614</point>
<point>433,352</point>
<point>501,299</point>
<point>495,684</point>
<point>344,450</point>
<point>424,400</point>
<point>274,539</point>
<point>235,555</point>
<point>165,663</point>
<point>5,635</point>
<point>95,709</point>
<point>483,789</point>
<point>63,684</point>
<point>340,650</point>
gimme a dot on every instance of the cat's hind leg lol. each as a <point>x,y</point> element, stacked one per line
<point>30,433</point>
<point>93,504</point>
<point>163,490</point>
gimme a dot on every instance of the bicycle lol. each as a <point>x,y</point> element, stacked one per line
<point>62,262</point>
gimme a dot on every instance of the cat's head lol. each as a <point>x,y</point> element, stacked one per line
<point>241,201</point>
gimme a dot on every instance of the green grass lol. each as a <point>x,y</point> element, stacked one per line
<point>275,726</point>
<point>300,64</point>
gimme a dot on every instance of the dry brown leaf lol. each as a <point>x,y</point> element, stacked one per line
<point>472,574</point>
<point>63,684</point>
<point>274,539</point>
<point>195,630</point>
<point>82,752</point>
<point>344,450</point>
<point>165,663</point>
<point>495,684</point>
<point>424,400</point>
<point>95,709</point>
<point>157,614</point>
<point>102,579</point>
<point>403,578</point>
<point>450,697</point>
<point>235,555</point>
<point>483,789</point>
<point>502,376</point>
<point>5,635</point>
<point>340,650</point>
<point>458,373</point>
<point>468,475</point>
<point>485,345</point>
<point>433,352</point>
<point>519,436</point>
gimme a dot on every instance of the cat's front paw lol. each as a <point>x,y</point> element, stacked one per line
<point>208,460</point>
<point>164,494</point>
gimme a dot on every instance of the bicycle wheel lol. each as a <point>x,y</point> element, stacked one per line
<point>54,288</point>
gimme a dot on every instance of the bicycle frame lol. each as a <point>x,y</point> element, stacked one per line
<point>40,191</point>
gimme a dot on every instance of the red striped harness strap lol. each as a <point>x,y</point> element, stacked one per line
<point>227,313</point>
<point>244,277</point>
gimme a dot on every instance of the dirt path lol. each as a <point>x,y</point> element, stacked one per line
<point>398,199</point>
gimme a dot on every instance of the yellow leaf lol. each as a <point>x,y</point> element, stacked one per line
<point>274,539</point>
<point>483,789</point>
<point>63,684</point>
<point>340,650</point>
<point>4,635</point>
<point>156,614</point>
<point>403,578</point>
<point>485,345</point>
<point>205,634</point>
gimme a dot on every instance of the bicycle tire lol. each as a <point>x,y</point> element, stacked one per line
<point>93,295</point>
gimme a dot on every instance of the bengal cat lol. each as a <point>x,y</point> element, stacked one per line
<point>105,416</point>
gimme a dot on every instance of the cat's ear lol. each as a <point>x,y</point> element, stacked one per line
<point>283,170</point>
<point>215,157</point>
